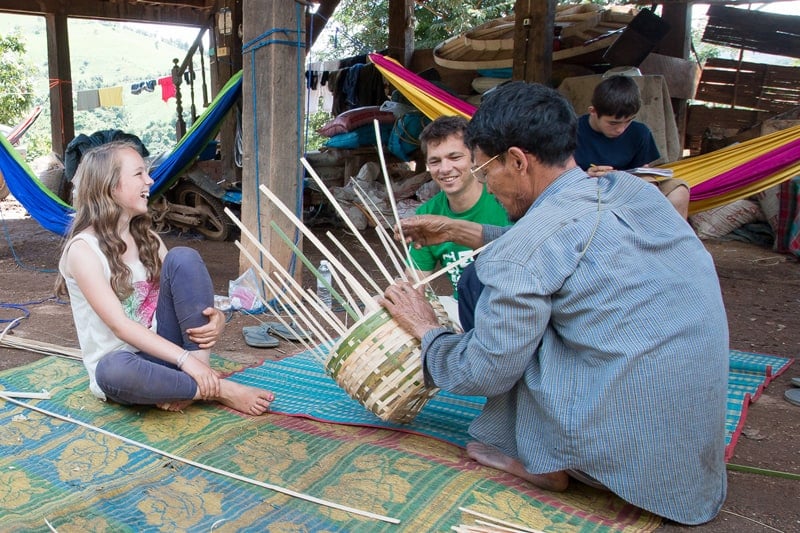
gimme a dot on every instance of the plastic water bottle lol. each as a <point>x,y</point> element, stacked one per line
<point>322,290</point>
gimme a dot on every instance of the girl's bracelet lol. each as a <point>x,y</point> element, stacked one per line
<point>182,359</point>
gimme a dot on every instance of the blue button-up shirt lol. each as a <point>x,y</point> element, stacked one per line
<point>601,344</point>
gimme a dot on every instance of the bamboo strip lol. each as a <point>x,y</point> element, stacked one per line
<point>357,288</point>
<point>390,192</point>
<point>498,521</point>
<point>461,262</point>
<point>355,263</point>
<point>347,296</point>
<point>382,236</point>
<point>320,308</point>
<point>300,255</point>
<point>28,395</point>
<point>369,204</point>
<point>309,318</point>
<point>380,228</point>
<point>274,262</point>
<point>346,219</point>
<point>276,290</point>
<point>272,287</point>
<point>208,468</point>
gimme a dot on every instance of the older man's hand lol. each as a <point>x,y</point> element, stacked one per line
<point>409,308</point>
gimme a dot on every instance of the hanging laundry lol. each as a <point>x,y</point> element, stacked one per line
<point>167,88</point>
<point>88,99</point>
<point>150,85</point>
<point>137,87</point>
<point>110,96</point>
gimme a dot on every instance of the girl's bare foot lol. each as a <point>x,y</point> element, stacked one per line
<point>492,457</point>
<point>175,406</point>
<point>243,398</point>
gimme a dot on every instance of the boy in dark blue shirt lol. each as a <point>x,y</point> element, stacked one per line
<point>609,139</point>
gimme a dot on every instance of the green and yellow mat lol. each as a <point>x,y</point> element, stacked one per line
<point>55,472</point>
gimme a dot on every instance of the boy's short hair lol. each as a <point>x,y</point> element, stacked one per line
<point>617,96</point>
<point>440,129</point>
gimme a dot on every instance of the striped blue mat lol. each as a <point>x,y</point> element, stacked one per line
<point>302,388</point>
<point>748,376</point>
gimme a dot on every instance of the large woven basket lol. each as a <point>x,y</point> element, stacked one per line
<point>378,364</point>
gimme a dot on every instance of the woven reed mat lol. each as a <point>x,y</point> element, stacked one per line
<point>302,388</point>
<point>81,480</point>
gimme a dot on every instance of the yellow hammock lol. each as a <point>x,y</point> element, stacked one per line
<point>431,100</point>
<point>701,168</point>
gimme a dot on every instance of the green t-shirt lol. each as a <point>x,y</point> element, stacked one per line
<point>487,210</point>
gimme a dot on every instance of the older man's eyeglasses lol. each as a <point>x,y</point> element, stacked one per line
<point>480,171</point>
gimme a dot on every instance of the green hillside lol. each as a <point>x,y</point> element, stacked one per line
<point>108,54</point>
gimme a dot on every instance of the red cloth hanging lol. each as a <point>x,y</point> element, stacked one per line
<point>167,88</point>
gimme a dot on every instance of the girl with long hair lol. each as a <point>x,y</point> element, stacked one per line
<point>144,316</point>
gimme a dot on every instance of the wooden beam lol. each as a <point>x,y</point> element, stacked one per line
<point>533,40</point>
<point>271,96</point>
<point>183,13</point>
<point>62,115</point>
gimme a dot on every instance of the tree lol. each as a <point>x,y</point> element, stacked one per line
<point>16,79</point>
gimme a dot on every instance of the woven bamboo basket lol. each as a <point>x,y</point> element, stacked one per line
<point>379,364</point>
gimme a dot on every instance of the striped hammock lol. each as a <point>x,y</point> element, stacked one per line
<point>716,178</point>
<point>55,215</point>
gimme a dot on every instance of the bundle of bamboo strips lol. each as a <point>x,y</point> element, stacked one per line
<point>375,361</point>
<point>9,340</point>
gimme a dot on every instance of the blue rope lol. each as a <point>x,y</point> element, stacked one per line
<point>254,44</point>
<point>24,308</point>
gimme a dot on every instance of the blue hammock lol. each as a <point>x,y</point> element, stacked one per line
<point>56,215</point>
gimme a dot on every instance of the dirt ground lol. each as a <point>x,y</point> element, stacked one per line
<point>762,296</point>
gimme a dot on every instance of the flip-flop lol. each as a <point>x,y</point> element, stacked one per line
<point>293,334</point>
<point>792,396</point>
<point>259,337</point>
<point>796,382</point>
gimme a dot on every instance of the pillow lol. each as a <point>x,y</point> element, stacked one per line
<point>354,118</point>
<point>720,221</point>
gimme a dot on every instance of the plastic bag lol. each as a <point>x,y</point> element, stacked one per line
<point>245,294</point>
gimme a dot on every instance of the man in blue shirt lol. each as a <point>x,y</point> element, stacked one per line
<point>600,339</point>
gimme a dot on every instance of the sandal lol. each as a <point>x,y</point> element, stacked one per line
<point>293,333</point>
<point>259,337</point>
<point>792,396</point>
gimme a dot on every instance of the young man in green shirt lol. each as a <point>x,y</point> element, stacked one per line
<point>461,196</point>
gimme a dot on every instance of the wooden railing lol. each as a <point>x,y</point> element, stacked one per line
<point>185,72</point>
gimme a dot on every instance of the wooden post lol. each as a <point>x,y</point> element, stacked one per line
<point>533,40</point>
<point>676,44</point>
<point>401,30</point>
<point>180,124</point>
<point>62,115</point>
<point>222,69</point>
<point>271,90</point>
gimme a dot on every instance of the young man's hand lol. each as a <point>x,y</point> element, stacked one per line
<point>595,171</point>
